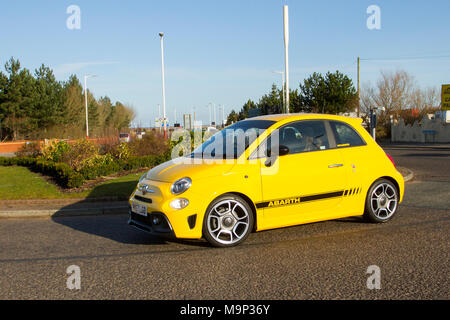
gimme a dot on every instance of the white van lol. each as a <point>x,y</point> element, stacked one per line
<point>124,137</point>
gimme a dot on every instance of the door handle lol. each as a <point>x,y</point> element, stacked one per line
<point>336,165</point>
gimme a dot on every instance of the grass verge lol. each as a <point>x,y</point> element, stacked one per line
<point>20,183</point>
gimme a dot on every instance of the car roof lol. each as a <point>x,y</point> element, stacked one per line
<point>302,116</point>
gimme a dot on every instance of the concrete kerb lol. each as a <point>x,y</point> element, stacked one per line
<point>65,212</point>
<point>409,175</point>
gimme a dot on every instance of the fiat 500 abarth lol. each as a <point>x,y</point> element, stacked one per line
<point>269,172</point>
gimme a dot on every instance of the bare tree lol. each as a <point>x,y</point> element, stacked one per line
<point>397,93</point>
<point>367,101</point>
<point>394,91</point>
<point>425,99</point>
<point>432,97</point>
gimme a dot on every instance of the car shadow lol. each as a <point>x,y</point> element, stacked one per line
<point>107,217</point>
<point>354,219</point>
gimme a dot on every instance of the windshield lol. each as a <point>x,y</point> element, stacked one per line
<point>232,141</point>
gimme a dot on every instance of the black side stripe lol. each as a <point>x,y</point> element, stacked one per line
<point>352,192</point>
<point>297,200</point>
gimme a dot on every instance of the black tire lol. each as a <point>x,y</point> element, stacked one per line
<point>233,226</point>
<point>381,201</point>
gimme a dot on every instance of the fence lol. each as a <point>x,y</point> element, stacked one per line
<point>13,147</point>
<point>424,131</point>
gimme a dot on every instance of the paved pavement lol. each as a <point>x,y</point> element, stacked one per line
<point>326,260</point>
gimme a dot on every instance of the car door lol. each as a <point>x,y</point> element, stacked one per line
<point>356,159</point>
<point>306,184</point>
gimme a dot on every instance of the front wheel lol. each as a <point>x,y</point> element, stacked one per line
<point>381,202</point>
<point>228,221</point>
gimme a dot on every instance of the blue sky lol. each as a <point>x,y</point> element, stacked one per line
<point>221,51</point>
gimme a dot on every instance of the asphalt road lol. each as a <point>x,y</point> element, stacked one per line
<point>326,260</point>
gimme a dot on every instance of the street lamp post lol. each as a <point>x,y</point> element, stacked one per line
<point>210,117</point>
<point>86,102</point>
<point>163,85</point>
<point>215,119</point>
<point>286,57</point>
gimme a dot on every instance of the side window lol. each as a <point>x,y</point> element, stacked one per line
<point>345,135</point>
<point>304,136</point>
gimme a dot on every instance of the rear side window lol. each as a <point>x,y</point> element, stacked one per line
<point>345,135</point>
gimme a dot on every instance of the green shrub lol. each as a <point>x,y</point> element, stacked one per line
<point>79,152</point>
<point>63,174</point>
<point>55,151</point>
<point>90,168</point>
<point>151,144</point>
<point>100,166</point>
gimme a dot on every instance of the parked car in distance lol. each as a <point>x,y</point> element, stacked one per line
<point>140,134</point>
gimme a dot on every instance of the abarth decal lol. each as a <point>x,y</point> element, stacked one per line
<point>298,200</point>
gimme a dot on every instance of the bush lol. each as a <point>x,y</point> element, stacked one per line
<point>100,166</point>
<point>83,162</point>
<point>17,161</point>
<point>55,150</point>
<point>63,174</point>
<point>151,144</point>
<point>79,152</point>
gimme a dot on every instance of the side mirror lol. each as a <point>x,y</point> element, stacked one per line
<point>283,150</point>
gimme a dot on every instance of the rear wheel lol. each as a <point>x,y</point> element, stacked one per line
<point>381,202</point>
<point>228,221</point>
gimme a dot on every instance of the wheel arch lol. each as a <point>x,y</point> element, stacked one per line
<point>367,210</point>
<point>251,205</point>
<point>391,179</point>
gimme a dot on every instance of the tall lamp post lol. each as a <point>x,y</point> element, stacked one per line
<point>223,116</point>
<point>215,119</point>
<point>286,58</point>
<point>210,116</point>
<point>86,102</point>
<point>163,85</point>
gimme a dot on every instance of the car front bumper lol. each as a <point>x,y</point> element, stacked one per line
<point>162,227</point>
<point>183,223</point>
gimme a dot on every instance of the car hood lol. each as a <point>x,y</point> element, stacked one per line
<point>173,170</point>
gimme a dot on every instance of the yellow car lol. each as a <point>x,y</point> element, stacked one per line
<point>269,172</point>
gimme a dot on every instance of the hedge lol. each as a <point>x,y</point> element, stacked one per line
<point>66,177</point>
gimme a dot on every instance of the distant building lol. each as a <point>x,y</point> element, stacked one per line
<point>187,118</point>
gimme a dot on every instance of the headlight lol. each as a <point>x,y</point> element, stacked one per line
<point>181,185</point>
<point>180,203</point>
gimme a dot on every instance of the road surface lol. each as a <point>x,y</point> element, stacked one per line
<point>327,260</point>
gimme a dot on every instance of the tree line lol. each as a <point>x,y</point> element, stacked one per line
<point>37,106</point>
<point>395,95</point>
<point>331,93</point>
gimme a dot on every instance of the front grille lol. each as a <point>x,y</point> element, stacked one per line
<point>138,218</point>
<point>143,199</point>
<point>147,221</point>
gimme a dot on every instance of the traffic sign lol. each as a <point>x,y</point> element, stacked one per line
<point>445,97</point>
